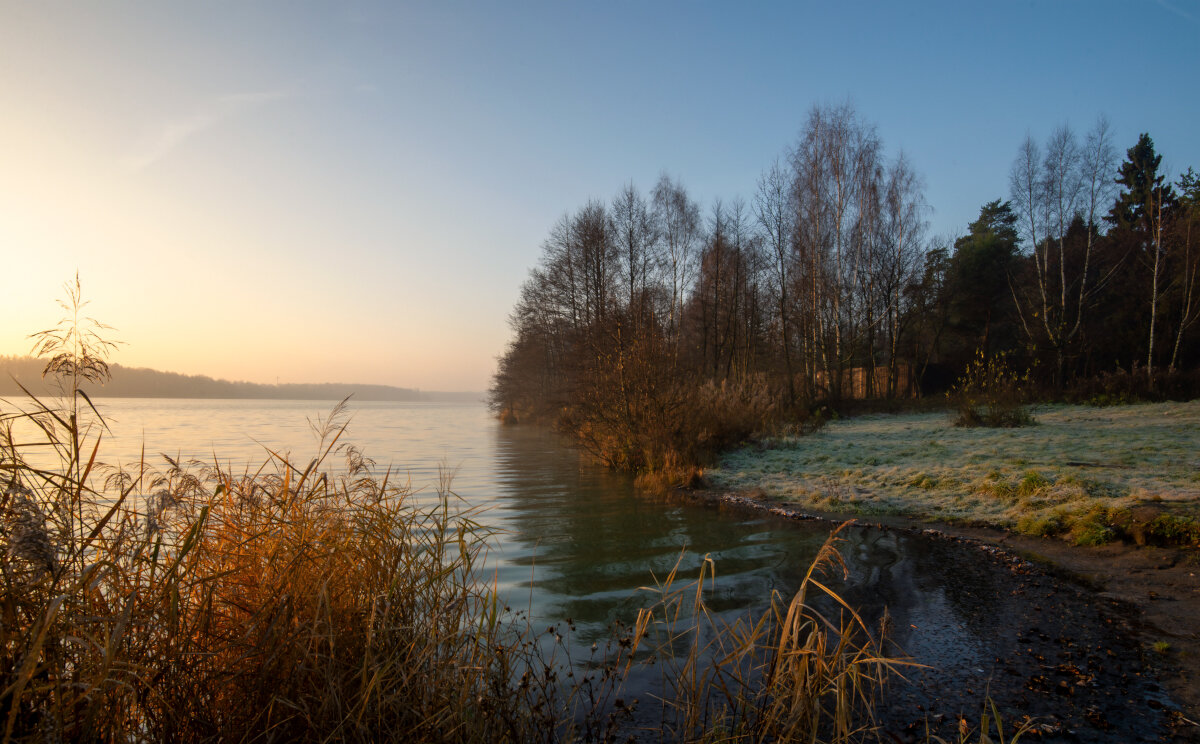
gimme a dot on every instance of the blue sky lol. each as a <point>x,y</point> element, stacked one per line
<point>355,191</point>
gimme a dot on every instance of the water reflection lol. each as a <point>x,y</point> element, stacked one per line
<point>578,542</point>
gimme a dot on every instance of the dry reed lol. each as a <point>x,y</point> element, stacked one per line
<point>791,673</point>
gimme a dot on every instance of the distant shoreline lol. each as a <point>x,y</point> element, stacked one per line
<point>136,382</point>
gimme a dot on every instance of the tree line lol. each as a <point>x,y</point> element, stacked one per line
<point>138,382</point>
<point>655,329</point>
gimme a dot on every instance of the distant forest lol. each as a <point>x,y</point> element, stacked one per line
<point>130,382</point>
<point>825,287</point>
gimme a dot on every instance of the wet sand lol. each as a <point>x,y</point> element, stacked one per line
<point>1070,635</point>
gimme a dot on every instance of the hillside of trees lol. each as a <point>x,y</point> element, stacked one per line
<point>656,330</point>
<point>131,382</point>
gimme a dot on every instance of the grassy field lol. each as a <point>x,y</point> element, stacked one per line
<point>1093,473</point>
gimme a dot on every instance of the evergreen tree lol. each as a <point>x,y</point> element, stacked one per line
<point>981,304</point>
<point>1143,186</point>
<point>1189,188</point>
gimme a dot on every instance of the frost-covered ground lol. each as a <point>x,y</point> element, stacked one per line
<point>1076,458</point>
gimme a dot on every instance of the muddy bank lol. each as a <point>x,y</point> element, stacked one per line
<point>1051,632</point>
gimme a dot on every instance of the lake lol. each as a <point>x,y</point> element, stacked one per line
<point>574,540</point>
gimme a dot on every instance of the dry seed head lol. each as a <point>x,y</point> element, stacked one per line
<point>28,538</point>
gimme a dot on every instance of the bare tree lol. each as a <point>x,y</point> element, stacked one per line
<point>595,254</point>
<point>1062,189</point>
<point>1189,308</point>
<point>835,185</point>
<point>634,233</point>
<point>712,295</point>
<point>776,214</point>
<point>1154,209</point>
<point>1098,162</point>
<point>903,255</point>
<point>1053,193</point>
<point>678,220</point>
<point>745,337</point>
<point>560,286</point>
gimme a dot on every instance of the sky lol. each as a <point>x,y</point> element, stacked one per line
<point>354,192</point>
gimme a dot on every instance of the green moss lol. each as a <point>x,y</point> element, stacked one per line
<point>1042,524</point>
<point>1092,529</point>
<point>1169,529</point>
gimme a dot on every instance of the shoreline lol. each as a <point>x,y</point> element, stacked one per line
<point>1160,585</point>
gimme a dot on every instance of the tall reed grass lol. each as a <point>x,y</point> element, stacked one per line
<point>191,604</point>
<point>791,673</point>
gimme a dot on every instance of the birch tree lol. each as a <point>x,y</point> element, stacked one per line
<point>835,167</point>
<point>678,221</point>
<point>1188,274</point>
<point>1051,192</point>
<point>775,215</point>
<point>634,234</point>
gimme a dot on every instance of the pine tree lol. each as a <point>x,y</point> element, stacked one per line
<point>1143,186</point>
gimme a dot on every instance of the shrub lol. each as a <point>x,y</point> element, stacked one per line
<point>991,394</point>
<point>1123,387</point>
<point>667,428</point>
